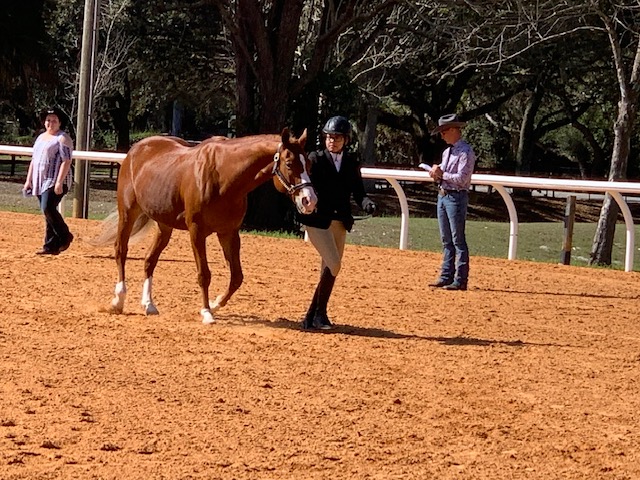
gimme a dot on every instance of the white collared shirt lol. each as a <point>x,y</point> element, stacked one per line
<point>337,160</point>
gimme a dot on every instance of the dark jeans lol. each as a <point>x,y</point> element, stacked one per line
<point>57,232</point>
<point>452,216</point>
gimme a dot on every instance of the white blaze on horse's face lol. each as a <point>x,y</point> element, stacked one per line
<point>305,198</point>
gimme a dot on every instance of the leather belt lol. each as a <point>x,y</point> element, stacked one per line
<point>444,192</point>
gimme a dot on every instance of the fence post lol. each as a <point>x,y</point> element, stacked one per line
<point>569,220</point>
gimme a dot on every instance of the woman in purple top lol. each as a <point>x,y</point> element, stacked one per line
<point>49,179</point>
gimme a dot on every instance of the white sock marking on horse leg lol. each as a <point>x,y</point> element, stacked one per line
<point>117,304</point>
<point>207,317</point>
<point>147,302</point>
<point>215,305</point>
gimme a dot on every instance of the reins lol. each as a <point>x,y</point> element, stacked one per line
<point>291,189</point>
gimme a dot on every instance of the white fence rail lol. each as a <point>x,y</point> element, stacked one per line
<point>499,182</point>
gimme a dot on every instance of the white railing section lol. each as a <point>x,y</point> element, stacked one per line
<point>499,182</point>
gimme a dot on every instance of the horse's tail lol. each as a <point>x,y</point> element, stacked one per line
<point>109,231</point>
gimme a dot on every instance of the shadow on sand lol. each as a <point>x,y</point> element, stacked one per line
<point>283,323</point>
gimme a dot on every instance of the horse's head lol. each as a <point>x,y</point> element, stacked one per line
<point>291,170</point>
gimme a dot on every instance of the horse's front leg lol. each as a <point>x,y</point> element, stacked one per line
<point>230,243</point>
<point>198,244</point>
<point>161,240</point>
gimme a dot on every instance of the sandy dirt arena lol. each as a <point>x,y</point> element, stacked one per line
<point>534,373</point>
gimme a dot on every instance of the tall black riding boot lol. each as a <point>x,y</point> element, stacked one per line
<point>325,287</point>
<point>307,321</point>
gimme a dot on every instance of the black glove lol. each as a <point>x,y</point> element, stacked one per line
<point>368,206</point>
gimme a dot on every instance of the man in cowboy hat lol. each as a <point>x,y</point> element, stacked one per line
<point>453,176</point>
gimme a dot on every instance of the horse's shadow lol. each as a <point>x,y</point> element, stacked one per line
<point>283,323</point>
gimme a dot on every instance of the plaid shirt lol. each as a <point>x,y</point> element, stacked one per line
<point>457,166</point>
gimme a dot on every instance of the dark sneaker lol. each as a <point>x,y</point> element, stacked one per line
<point>456,286</point>
<point>441,283</point>
<point>67,243</point>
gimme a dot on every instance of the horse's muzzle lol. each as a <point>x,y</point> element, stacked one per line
<point>306,201</point>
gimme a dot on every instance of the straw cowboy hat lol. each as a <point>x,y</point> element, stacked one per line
<point>448,121</point>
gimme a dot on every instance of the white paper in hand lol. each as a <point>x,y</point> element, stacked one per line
<point>424,166</point>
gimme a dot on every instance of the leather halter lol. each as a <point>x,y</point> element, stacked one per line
<point>291,189</point>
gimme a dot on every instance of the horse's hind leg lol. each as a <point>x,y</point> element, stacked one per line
<point>161,240</point>
<point>230,243</point>
<point>126,220</point>
<point>198,244</point>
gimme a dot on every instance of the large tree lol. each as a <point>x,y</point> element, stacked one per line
<point>280,48</point>
<point>25,58</point>
<point>622,29</point>
<point>503,31</point>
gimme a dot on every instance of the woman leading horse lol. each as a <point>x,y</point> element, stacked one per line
<point>202,189</point>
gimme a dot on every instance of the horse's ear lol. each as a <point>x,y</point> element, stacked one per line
<point>286,135</point>
<point>303,138</point>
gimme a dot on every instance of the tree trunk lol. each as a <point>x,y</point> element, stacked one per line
<point>119,108</point>
<point>265,46</point>
<point>598,155</point>
<point>367,143</point>
<point>527,128</point>
<point>623,129</point>
<point>177,118</point>
<point>368,139</point>
<point>245,80</point>
<point>524,150</point>
<point>269,209</point>
<point>602,247</point>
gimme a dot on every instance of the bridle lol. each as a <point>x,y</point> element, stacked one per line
<point>291,189</point>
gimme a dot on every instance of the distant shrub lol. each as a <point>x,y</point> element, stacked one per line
<point>19,140</point>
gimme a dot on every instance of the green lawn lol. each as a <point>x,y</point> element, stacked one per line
<point>541,242</point>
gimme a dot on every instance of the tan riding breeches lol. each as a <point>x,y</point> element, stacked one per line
<point>330,245</point>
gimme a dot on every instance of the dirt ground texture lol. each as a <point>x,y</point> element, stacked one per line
<point>533,373</point>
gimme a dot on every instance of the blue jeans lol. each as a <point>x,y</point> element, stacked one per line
<point>57,231</point>
<point>452,216</point>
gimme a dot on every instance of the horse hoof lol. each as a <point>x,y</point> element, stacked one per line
<point>150,309</point>
<point>207,317</point>
<point>116,306</point>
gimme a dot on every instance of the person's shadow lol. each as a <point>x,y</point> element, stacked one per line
<point>283,323</point>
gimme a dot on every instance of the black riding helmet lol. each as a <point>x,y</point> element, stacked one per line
<point>338,125</point>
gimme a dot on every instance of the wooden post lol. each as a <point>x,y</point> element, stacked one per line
<point>85,104</point>
<point>569,220</point>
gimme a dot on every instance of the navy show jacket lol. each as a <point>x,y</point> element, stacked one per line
<point>334,189</point>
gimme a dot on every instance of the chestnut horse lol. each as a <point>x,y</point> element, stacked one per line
<point>202,189</point>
